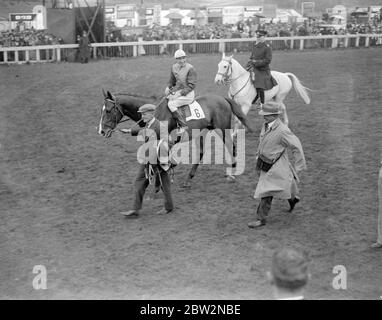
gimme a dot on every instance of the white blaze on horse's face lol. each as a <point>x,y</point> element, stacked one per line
<point>100,129</point>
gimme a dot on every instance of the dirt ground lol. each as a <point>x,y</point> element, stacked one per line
<point>62,187</point>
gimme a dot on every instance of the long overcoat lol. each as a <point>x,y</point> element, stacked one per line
<point>84,48</point>
<point>262,55</point>
<point>277,182</point>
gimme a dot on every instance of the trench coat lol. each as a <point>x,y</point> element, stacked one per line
<point>380,206</point>
<point>84,48</point>
<point>277,182</point>
<point>260,60</point>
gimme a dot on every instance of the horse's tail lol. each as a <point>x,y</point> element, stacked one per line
<point>236,110</point>
<point>300,89</point>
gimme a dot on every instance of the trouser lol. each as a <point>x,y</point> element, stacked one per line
<point>380,207</point>
<point>266,203</point>
<point>259,94</point>
<point>177,100</point>
<point>141,184</point>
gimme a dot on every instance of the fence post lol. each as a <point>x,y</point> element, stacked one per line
<point>135,50</point>
<point>301,44</point>
<point>26,55</point>
<point>221,46</point>
<point>346,42</point>
<point>37,55</point>
<point>291,44</point>
<point>5,56</point>
<point>357,41</point>
<point>58,54</point>
<point>94,52</point>
<point>367,40</point>
<point>181,46</point>
<point>16,56</point>
<point>334,42</point>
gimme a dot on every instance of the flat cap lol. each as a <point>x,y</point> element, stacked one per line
<point>148,107</point>
<point>270,107</point>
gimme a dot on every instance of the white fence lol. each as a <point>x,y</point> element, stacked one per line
<point>69,52</point>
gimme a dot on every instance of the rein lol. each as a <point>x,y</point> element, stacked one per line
<point>229,81</point>
<point>233,95</point>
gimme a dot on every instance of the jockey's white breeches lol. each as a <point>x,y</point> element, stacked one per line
<point>176,100</point>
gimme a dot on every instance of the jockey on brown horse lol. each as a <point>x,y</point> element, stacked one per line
<point>180,90</point>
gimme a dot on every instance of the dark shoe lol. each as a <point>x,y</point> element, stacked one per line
<point>376,245</point>
<point>256,224</point>
<point>164,211</point>
<point>130,213</point>
<point>292,203</point>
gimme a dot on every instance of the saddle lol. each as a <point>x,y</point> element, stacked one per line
<point>193,111</point>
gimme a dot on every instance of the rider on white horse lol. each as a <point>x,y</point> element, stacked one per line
<point>180,89</point>
<point>258,66</point>
<point>231,72</point>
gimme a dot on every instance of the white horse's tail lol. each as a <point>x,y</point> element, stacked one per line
<point>300,89</point>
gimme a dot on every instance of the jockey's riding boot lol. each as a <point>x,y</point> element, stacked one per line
<point>180,120</point>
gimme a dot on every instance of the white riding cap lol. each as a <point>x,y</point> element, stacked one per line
<point>179,54</point>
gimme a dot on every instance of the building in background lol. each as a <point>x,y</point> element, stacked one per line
<point>338,15</point>
<point>215,15</point>
<point>233,14</point>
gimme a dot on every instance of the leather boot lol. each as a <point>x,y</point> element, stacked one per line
<point>179,119</point>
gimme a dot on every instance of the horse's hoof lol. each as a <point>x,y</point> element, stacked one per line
<point>231,178</point>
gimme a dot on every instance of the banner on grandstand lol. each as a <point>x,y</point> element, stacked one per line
<point>156,13</point>
<point>125,12</point>
<point>15,17</point>
<point>307,8</point>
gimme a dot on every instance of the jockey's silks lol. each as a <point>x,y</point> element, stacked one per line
<point>181,75</point>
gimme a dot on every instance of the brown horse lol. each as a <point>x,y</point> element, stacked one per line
<point>218,113</point>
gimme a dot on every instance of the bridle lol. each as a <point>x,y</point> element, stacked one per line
<point>227,78</point>
<point>118,108</point>
<point>226,75</point>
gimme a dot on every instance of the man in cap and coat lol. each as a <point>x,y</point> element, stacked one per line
<point>277,176</point>
<point>289,274</point>
<point>143,177</point>
<point>259,66</point>
<point>84,45</point>
<point>181,86</point>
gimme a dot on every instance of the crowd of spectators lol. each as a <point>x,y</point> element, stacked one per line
<point>246,29</point>
<point>27,37</point>
<point>243,30</point>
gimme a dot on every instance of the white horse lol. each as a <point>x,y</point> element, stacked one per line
<point>243,92</point>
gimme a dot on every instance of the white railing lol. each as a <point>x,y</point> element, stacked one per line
<point>68,52</point>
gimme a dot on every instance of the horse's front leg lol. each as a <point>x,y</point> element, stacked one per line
<point>232,152</point>
<point>191,174</point>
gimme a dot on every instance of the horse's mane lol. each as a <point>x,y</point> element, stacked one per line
<point>153,97</point>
